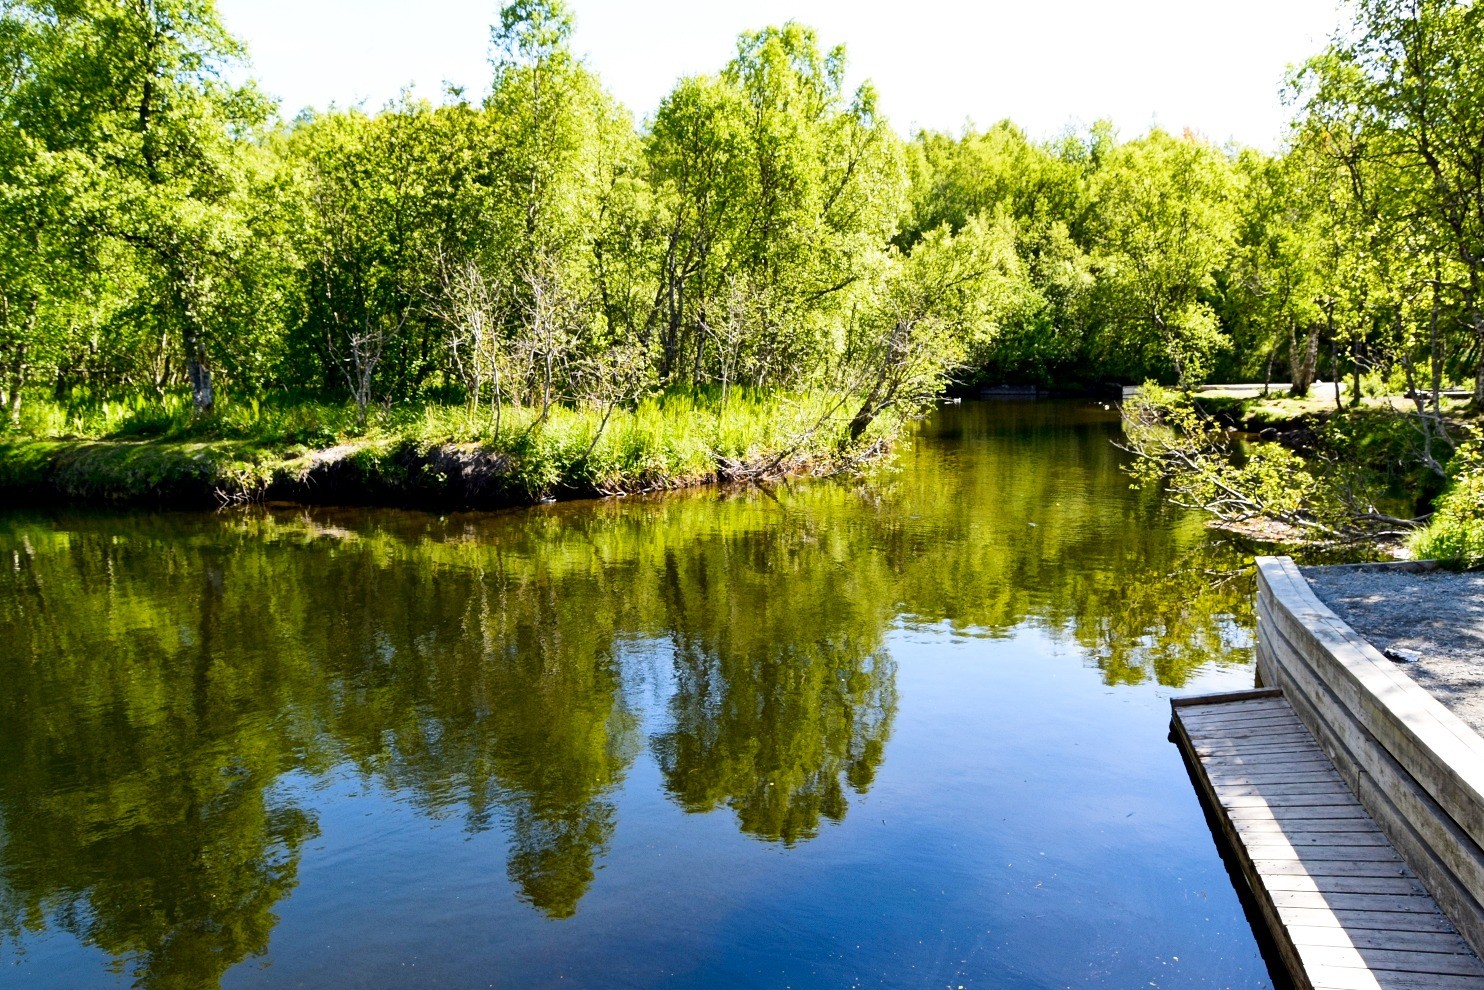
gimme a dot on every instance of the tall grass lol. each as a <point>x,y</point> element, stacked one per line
<point>676,438</point>
<point>174,418</point>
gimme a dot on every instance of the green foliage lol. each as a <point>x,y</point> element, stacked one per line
<point>138,450</point>
<point>1455,534</point>
<point>776,194</point>
<point>1165,221</point>
<point>1330,494</point>
<point>1202,468</point>
<point>1394,107</point>
<point>529,248</point>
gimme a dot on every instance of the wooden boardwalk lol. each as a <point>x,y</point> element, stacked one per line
<point>1344,911</point>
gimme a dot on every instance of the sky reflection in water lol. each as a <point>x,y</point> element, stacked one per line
<point>901,732</point>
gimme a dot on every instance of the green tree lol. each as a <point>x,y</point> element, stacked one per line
<point>1405,91</point>
<point>384,202</point>
<point>776,193</point>
<point>136,88</point>
<point>932,312</point>
<point>1164,222</point>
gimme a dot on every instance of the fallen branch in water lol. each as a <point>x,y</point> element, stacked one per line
<point>1321,500</point>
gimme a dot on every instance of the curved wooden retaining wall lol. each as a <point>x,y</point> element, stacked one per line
<point>1415,766</point>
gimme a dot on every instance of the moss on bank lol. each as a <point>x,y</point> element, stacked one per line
<point>435,455</point>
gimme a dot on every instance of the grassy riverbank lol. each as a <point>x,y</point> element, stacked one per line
<point>1382,436</point>
<point>1280,411</point>
<point>1378,475</point>
<point>158,452</point>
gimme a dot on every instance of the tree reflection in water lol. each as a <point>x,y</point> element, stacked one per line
<point>165,675</point>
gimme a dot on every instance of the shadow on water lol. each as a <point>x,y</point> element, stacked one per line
<point>169,676</point>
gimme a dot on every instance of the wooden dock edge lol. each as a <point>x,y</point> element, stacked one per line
<point>1256,895</point>
<point>1251,694</point>
<point>1415,766</point>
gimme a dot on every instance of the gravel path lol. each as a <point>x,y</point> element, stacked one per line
<point>1432,622</point>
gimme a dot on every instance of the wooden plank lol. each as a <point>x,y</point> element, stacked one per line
<point>1263,847</point>
<point>1360,979</point>
<point>1275,747</point>
<point>1349,978</point>
<point>1210,750</point>
<point>1299,827</point>
<point>1328,796</point>
<point>1275,774</point>
<point>1435,746</point>
<point>1366,920</point>
<point>1224,781</point>
<point>1239,758</point>
<point>1216,720</point>
<point>1445,857</point>
<point>1361,756</point>
<point>1287,951</point>
<point>1231,781</point>
<point>1445,942</point>
<point>1320,858</point>
<point>1344,885</point>
<point>1332,868</point>
<point>1296,740</point>
<point>1392,960</point>
<point>1318,812</point>
<point>1278,747</point>
<point>1232,709</point>
<point>1245,759</point>
<point>1274,762</point>
<point>1212,722</point>
<point>1406,903</point>
<point>1335,787</point>
<point>1343,907</point>
<point>1305,818</point>
<point>1407,703</point>
<point>1273,729</point>
<point>1287,731</point>
<point>1257,775</point>
<point>1224,697</point>
<point>1313,840</point>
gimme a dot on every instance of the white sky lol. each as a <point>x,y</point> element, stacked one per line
<point>1213,67</point>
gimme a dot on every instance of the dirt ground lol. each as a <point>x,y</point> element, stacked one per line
<point>1431,624</point>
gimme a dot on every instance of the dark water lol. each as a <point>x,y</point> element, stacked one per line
<point>908,732</point>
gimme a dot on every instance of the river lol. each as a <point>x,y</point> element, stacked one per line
<point>902,731</point>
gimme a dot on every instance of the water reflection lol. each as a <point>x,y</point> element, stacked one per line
<point>166,674</point>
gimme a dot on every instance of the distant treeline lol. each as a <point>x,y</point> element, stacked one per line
<point>162,228</point>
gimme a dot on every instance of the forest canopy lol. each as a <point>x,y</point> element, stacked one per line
<point>164,231</point>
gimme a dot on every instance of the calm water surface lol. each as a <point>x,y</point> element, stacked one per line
<point>908,732</point>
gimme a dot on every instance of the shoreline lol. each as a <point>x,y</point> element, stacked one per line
<point>401,473</point>
<point>434,457</point>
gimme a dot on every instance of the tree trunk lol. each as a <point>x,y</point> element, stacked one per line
<point>17,383</point>
<point>1435,355</point>
<point>1478,320</point>
<point>864,416</point>
<point>199,374</point>
<point>1334,370</point>
<point>1303,357</point>
<point>1479,380</point>
<point>19,367</point>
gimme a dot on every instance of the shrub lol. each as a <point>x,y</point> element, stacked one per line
<point>1456,533</point>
